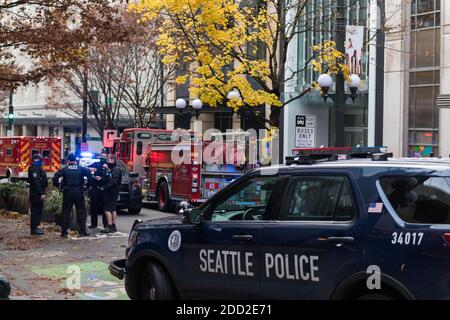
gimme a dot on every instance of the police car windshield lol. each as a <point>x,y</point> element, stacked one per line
<point>419,199</point>
<point>248,202</point>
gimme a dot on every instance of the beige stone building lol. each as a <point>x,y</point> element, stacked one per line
<point>417,78</point>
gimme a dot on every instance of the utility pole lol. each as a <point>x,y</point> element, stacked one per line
<point>339,101</point>
<point>282,116</point>
<point>9,132</point>
<point>85,107</point>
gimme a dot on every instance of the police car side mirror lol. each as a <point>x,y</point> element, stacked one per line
<point>184,209</point>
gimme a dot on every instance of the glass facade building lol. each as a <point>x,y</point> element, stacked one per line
<point>319,28</point>
<point>424,77</point>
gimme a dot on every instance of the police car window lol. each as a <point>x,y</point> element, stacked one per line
<point>419,199</point>
<point>248,202</point>
<point>139,147</point>
<point>320,199</point>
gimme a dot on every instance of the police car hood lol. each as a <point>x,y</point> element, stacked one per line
<point>170,220</point>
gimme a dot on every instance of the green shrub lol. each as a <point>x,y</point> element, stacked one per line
<point>53,203</point>
<point>14,197</point>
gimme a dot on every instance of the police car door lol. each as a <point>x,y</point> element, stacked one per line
<point>314,242</point>
<point>221,259</point>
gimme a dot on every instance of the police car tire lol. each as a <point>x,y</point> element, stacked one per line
<point>159,280</point>
<point>163,187</point>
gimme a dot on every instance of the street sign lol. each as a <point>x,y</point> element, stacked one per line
<point>84,147</point>
<point>305,131</point>
<point>108,138</point>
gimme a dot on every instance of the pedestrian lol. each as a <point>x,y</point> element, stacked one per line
<point>72,179</point>
<point>95,194</point>
<point>37,178</point>
<point>111,192</point>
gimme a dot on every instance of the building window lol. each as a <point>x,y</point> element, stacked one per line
<point>223,121</point>
<point>424,78</point>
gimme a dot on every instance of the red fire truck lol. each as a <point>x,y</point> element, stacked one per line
<point>16,155</point>
<point>193,171</point>
<point>133,143</point>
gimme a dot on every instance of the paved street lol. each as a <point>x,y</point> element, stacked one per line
<point>47,267</point>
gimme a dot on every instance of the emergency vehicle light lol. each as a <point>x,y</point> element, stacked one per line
<point>87,155</point>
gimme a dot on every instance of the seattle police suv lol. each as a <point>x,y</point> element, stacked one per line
<point>376,228</point>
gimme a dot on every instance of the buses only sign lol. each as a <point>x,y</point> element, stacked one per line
<point>305,131</point>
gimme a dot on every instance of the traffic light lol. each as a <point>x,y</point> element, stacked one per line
<point>11,112</point>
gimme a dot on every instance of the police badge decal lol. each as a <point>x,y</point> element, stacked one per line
<point>174,241</point>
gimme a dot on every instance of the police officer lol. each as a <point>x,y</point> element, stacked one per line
<point>72,179</point>
<point>37,178</point>
<point>96,195</point>
<point>110,194</point>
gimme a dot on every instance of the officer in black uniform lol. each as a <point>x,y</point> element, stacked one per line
<point>111,193</point>
<point>95,194</point>
<point>72,179</point>
<point>37,178</point>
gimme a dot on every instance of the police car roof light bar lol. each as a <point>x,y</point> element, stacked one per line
<point>310,159</point>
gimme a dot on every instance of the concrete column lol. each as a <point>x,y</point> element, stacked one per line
<point>170,122</point>
<point>39,131</point>
<point>395,129</point>
<point>444,123</point>
<point>25,130</point>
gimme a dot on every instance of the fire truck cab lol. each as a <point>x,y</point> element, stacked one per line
<point>195,170</point>
<point>16,155</point>
<point>132,145</point>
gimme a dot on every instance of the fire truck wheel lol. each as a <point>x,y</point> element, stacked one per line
<point>162,196</point>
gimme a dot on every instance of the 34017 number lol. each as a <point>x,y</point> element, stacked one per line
<point>407,238</point>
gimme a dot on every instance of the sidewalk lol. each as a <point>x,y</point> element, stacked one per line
<point>50,267</point>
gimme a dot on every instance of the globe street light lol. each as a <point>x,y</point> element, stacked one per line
<point>182,105</point>
<point>326,82</point>
<point>353,85</point>
<point>233,95</point>
<point>197,105</point>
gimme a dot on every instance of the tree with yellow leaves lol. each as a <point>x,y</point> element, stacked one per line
<point>241,45</point>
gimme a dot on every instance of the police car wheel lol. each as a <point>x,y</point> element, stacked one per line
<point>156,284</point>
<point>376,296</point>
<point>162,196</point>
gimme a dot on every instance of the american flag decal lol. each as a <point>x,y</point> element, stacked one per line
<point>376,207</point>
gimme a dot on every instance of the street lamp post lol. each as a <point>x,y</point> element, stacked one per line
<point>85,107</point>
<point>325,81</point>
<point>339,101</point>
<point>9,132</point>
<point>182,107</point>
